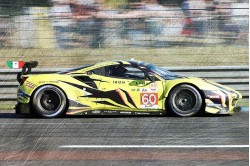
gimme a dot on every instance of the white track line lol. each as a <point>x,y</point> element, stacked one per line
<point>150,146</point>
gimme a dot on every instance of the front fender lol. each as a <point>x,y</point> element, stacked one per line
<point>196,82</point>
<point>218,99</point>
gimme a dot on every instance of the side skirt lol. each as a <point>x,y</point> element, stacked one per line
<point>113,112</point>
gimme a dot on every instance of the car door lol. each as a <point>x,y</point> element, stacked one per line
<point>131,90</point>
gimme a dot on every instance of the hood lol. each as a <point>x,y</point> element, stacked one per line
<point>205,84</point>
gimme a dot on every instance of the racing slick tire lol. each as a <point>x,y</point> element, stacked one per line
<point>49,101</point>
<point>185,100</point>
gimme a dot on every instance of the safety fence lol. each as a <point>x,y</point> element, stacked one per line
<point>236,77</point>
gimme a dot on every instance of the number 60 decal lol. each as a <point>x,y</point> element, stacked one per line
<point>149,98</point>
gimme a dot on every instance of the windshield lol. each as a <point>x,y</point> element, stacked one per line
<point>164,73</point>
<point>75,69</point>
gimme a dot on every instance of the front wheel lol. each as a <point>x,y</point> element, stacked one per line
<point>185,100</point>
<point>49,101</point>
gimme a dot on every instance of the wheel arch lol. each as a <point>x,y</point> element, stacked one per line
<point>33,92</point>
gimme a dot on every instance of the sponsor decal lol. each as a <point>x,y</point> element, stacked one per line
<point>96,112</point>
<point>30,85</point>
<point>125,112</point>
<point>148,90</point>
<point>135,89</point>
<point>42,82</point>
<point>119,82</point>
<point>15,64</point>
<point>213,96</point>
<point>109,112</point>
<point>153,87</point>
<point>213,104</point>
<point>142,113</point>
<point>149,100</point>
<point>137,83</point>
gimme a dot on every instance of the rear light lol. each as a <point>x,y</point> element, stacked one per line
<point>23,80</point>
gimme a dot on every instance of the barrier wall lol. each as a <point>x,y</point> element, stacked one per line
<point>236,77</point>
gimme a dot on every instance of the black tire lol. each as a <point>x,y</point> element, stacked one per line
<point>185,100</point>
<point>49,101</point>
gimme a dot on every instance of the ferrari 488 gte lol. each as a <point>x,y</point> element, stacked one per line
<point>120,87</point>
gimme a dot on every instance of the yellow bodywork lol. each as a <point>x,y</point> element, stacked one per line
<point>111,94</point>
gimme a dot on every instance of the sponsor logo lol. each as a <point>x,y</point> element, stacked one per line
<point>42,82</point>
<point>213,96</point>
<point>30,85</point>
<point>125,112</point>
<point>110,112</point>
<point>139,83</point>
<point>119,82</point>
<point>96,112</point>
<point>213,105</point>
<point>153,87</point>
<point>148,90</point>
<point>142,113</point>
<point>134,90</point>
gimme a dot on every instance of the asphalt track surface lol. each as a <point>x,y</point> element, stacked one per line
<point>27,140</point>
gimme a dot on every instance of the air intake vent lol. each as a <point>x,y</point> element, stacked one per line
<point>86,80</point>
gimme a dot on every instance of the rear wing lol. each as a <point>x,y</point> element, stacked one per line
<point>26,69</point>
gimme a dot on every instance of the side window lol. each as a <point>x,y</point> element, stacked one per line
<point>98,71</point>
<point>128,72</point>
<point>115,71</point>
<point>135,73</point>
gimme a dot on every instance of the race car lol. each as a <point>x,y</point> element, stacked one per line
<point>120,87</point>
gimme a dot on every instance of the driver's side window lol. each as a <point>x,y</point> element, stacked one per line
<point>127,72</point>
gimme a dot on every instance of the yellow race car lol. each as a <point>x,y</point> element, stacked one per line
<point>120,87</point>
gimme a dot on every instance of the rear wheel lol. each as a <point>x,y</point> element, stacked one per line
<point>49,101</point>
<point>185,100</point>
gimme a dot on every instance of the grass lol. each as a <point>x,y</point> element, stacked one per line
<point>7,105</point>
<point>174,56</point>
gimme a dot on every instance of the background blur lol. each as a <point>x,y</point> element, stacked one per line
<point>72,33</point>
<point>69,33</point>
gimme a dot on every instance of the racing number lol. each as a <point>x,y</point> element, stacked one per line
<point>149,98</point>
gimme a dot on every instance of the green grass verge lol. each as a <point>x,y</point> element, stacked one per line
<point>174,56</point>
<point>7,105</point>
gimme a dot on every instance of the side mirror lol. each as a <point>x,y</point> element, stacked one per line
<point>90,72</point>
<point>151,76</point>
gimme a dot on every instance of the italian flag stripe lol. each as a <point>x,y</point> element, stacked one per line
<point>15,64</point>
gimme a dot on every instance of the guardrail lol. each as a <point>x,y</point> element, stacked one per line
<point>236,77</point>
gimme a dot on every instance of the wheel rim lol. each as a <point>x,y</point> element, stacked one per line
<point>185,101</point>
<point>50,100</point>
